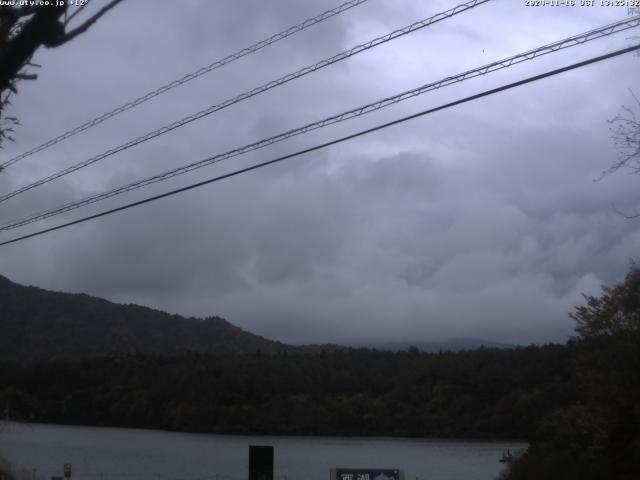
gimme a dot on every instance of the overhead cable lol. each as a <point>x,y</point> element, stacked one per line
<point>251,93</point>
<point>332,142</point>
<point>187,78</point>
<point>356,112</point>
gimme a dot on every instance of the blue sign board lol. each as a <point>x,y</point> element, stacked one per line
<point>367,474</point>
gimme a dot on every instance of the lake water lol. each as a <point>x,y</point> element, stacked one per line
<point>39,452</point>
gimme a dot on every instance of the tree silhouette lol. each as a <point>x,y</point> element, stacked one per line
<point>599,436</point>
<point>24,29</point>
<point>625,133</point>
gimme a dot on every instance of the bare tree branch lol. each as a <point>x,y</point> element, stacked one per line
<point>78,10</point>
<point>23,30</point>
<point>625,133</point>
<point>41,29</point>
<point>26,76</point>
<point>625,215</point>
<point>90,21</point>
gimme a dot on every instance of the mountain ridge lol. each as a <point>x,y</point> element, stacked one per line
<point>38,325</point>
<point>42,325</point>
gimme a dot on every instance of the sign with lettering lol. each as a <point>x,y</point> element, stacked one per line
<point>367,474</point>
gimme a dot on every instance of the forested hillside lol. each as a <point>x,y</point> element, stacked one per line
<point>486,393</point>
<point>39,325</point>
<point>578,403</point>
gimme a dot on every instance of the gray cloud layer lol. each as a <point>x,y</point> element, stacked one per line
<point>482,220</point>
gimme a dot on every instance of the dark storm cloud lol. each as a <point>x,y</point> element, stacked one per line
<point>482,220</point>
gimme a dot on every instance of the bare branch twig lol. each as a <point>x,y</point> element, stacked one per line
<point>90,21</point>
<point>625,215</point>
<point>79,9</point>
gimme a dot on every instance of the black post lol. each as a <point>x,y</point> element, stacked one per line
<point>260,462</point>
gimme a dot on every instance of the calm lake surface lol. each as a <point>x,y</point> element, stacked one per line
<point>116,453</point>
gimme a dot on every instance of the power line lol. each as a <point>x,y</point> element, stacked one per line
<point>332,142</point>
<point>251,93</point>
<point>356,112</point>
<point>188,77</point>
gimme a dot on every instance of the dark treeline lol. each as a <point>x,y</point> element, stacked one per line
<point>597,437</point>
<point>488,393</point>
<point>578,404</point>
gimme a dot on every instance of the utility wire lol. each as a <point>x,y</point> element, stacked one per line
<point>188,77</point>
<point>251,93</point>
<point>359,111</point>
<point>534,78</point>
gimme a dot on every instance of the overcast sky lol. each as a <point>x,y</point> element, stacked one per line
<point>483,220</point>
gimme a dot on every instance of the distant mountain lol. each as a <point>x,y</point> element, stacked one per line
<point>448,345</point>
<point>40,325</point>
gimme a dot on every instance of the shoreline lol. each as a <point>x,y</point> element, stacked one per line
<point>429,439</point>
